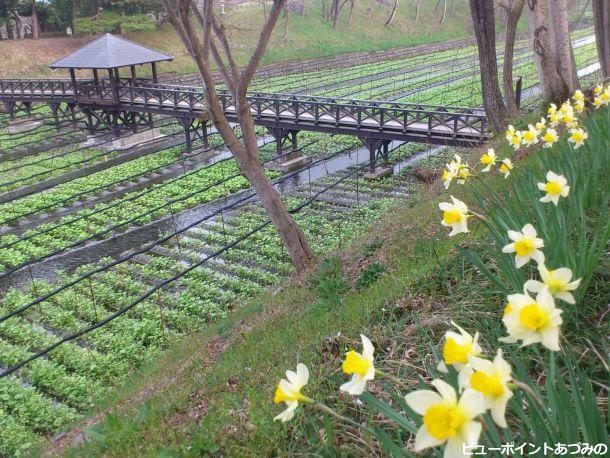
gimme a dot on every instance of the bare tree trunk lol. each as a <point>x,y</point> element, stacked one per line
<point>561,44</point>
<point>285,37</point>
<point>416,10</point>
<point>554,87</point>
<point>245,151</point>
<point>35,22</point>
<point>392,14</point>
<point>514,10</point>
<point>601,17</point>
<point>444,11</point>
<point>351,12</point>
<point>483,18</point>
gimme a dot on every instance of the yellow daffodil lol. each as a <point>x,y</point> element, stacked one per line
<point>488,159</point>
<point>578,96</point>
<point>525,245</point>
<point>552,109</point>
<point>455,170</point>
<point>598,102</point>
<point>554,119</point>
<point>578,137</point>
<point>532,320</point>
<point>579,106</point>
<point>457,349</point>
<point>506,167</point>
<point>530,136</point>
<point>455,215</point>
<point>605,96</point>
<point>447,420</point>
<point>598,89</point>
<point>289,392</point>
<point>514,138</point>
<point>540,125</point>
<point>490,378</point>
<point>448,177</point>
<point>556,186</point>
<point>557,282</point>
<point>550,137</point>
<point>360,366</point>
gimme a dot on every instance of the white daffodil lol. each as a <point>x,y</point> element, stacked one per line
<point>530,136</point>
<point>488,159</point>
<point>447,420</point>
<point>579,106</point>
<point>540,125</point>
<point>578,137</point>
<point>550,137</point>
<point>567,113</point>
<point>557,282</point>
<point>491,378</point>
<point>448,177</point>
<point>556,186</point>
<point>514,138</point>
<point>360,366</point>
<point>525,245</point>
<point>597,90</point>
<point>506,167</point>
<point>289,392</point>
<point>578,96</point>
<point>457,349</point>
<point>455,215</point>
<point>598,102</point>
<point>532,321</point>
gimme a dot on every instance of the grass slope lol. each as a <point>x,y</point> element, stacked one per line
<point>213,393</point>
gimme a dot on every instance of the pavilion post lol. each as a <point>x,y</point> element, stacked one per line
<point>133,74</point>
<point>73,79</point>
<point>154,72</point>
<point>96,82</point>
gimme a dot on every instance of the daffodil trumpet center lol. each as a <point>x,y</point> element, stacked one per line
<point>452,216</point>
<point>524,247</point>
<point>533,317</point>
<point>553,188</point>
<point>355,363</point>
<point>444,421</point>
<point>282,396</point>
<point>453,352</point>
<point>489,385</point>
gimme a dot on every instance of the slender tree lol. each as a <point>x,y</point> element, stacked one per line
<point>392,14</point>
<point>601,18</point>
<point>548,23</point>
<point>483,19</point>
<point>215,45</point>
<point>514,10</point>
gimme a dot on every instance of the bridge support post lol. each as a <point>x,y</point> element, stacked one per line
<point>61,113</point>
<point>286,160</point>
<point>378,148</point>
<point>194,129</point>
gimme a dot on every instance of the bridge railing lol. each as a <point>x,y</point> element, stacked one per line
<point>37,88</point>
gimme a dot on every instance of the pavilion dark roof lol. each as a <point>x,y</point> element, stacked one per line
<point>110,51</point>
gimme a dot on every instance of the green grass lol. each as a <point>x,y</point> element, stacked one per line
<point>213,391</point>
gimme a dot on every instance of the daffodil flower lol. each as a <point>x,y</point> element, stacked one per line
<point>514,138</point>
<point>530,136</point>
<point>448,177</point>
<point>540,125</point>
<point>447,420</point>
<point>556,186</point>
<point>289,392</point>
<point>532,320</point>
<point>491,379</point>
<point>579,106</point>
<point>578,137</point>
<point>578,96</point>
<point>457,349</point>
<point>550,137</point>
<point>360,366</point>
<point>557,282</point>
<point>598,89</point>
<point>598,102</point>
<point>506,167</point>
<point>488,159</point>
<point>525,245</point>
<point>455,215</point>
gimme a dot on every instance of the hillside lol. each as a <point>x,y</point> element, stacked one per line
<point>307,36</point>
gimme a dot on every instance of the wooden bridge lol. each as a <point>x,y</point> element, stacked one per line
<point>116,103</point>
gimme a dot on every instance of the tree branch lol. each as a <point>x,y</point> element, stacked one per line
<point>263,41</point>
